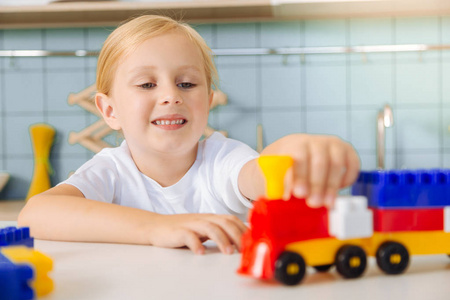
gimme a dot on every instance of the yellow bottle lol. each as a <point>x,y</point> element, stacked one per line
<point>42,136</point>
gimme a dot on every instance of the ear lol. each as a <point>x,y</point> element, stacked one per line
<point>105,106</point>
<point>211,96</point>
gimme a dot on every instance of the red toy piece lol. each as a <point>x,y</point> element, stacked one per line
<point>276,223</point>
<point>408,219</point>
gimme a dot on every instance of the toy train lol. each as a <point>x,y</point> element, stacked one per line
<point>408,214</point>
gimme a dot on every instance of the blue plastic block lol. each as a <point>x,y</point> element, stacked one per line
<point>12,236</point>
<point>360,186</point>
<point>14,280</point>
<point>404,188</point>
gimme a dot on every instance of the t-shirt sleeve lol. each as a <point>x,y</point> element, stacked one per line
<point>229,159</point>
<point>96,179</point>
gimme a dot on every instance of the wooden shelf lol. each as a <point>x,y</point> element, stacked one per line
<point>111,13</point>
<point>76,14</point>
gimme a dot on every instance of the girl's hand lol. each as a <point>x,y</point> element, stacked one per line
<point>191,230</point>
<point>322,165</point>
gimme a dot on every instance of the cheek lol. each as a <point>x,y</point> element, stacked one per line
<point>203,108</point>
<point>138,105</point>
<point>198,101</point>
<point>135,114</point>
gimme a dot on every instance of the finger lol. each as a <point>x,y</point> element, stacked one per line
<point>242,227</point>
<point>336,171</point>
<point>318,170</point>
<point>215,233</point>
<point>352,167</point>
<point>192,241</point>
<point>229,225</point>
<point>300,173</point>
<point>288,184</point>
<point>203,239</point>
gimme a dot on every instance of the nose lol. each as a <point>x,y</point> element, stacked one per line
<point>171,101</point>
<point>170,96</point>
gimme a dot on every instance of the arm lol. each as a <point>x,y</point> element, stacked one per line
<point>62,213</point>
<point>322,165</point>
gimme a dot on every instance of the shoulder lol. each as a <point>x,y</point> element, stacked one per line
<point>115,152</point>
<point>219,141</point>
<point>102,176</point>
<point>219,147</point>
<point>108,160</point>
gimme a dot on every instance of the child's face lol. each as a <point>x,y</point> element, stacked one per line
<point>160,95</point>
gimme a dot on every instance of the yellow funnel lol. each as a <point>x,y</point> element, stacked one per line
<point>274,168</point>
<point>42,139</point>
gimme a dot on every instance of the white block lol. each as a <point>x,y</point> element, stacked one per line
<point>447,219</point>
<point>350,218</point>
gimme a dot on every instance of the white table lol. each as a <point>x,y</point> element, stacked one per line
<point>112,271</point>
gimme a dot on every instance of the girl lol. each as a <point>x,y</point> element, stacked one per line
<point>163,186</point>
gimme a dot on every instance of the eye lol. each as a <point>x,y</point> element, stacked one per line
<point>147,85</point>
<point>186,85</point>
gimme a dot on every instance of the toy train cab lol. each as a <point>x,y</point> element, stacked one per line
<point>287,236</point>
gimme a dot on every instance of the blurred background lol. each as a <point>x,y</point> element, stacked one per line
<point>318,93</point>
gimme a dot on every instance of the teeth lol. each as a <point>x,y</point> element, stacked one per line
<point>167,122</point>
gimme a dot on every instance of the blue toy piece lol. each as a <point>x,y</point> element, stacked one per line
<point>14,280</point>
<point>404,188</point>
<point>12,236</point>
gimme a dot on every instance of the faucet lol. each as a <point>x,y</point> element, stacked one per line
<point>384,119</point>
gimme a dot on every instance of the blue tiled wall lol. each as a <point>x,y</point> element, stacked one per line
<point>337,94</point>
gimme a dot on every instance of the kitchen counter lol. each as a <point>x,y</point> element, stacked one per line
<point>115,271</point>
<point>10,209</point>
<point>108,271</point>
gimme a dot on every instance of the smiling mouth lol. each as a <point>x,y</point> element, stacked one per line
<point>170,122</point>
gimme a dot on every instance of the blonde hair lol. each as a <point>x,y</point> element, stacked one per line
<point>127,37</point>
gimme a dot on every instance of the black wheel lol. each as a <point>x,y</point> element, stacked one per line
<point>290,268</point>
<point>351,261</point>
<point>392,258</point>
<point>323,268</point>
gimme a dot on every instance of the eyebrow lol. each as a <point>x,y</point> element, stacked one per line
<point>189,67</point>
<point>137,71</point>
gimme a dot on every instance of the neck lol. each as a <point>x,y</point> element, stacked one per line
<point>165,168</point>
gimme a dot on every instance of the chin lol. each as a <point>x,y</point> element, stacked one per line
<point>175,146</point>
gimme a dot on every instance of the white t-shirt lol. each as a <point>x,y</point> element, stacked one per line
<point>209,186</point>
